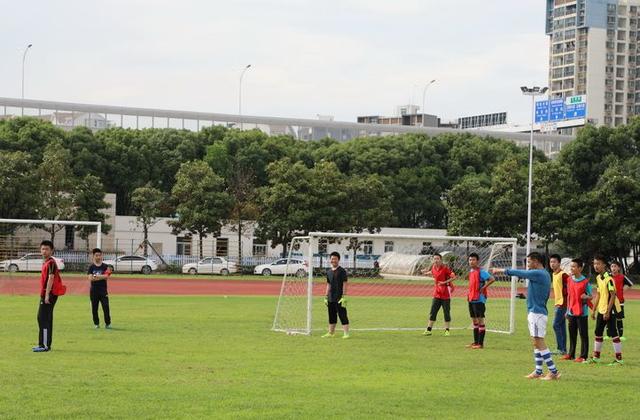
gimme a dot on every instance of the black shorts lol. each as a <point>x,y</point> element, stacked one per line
<point>621,313</point>
<point>612,328</point>
<point>476,310</point>
<point>438,303</point>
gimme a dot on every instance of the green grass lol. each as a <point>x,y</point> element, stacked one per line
<point>214,357</point>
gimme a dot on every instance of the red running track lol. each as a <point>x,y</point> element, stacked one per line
<point>176,286</point>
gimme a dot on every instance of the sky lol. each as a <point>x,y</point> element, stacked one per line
<point>330,57</point>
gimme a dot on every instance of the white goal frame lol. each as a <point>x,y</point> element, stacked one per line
<point>98,225</point>
<point>313,238</point>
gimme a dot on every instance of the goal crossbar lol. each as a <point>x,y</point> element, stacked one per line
<point>98,225</point>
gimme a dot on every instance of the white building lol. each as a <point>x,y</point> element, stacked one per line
<point>593,47</point>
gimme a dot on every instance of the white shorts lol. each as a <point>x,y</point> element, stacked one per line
<point>537,325</point>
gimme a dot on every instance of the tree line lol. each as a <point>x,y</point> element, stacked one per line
<point>585,200</point>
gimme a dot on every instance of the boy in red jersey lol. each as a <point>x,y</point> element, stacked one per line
<point>620,280</point>
<point>578,294</point>
<point>479,281</point>
<point>442,276</point>
<point>50,288</point>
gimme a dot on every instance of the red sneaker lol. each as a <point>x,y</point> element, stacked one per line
<point>477,346</point>
<point>469,346</point>
<point>565,357</point>
<point>579,360</point>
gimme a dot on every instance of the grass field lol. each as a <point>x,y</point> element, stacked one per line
<point>215,357</point>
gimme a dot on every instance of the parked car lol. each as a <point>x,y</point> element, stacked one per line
<point>297,267</point>
<point>28,262</point>
<point>132,264</point>
<point>211,265</point>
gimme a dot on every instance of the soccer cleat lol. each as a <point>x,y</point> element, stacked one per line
<point>469,346</point>
<point>534,375</point>
<point>616,363</point>
<point>96,326</point>
<point>39,349</point>
<point>427,332</point>
<point>447,333</point>
<point>108,326</point>
<point>551,377</point>
<point>328,335</point>
<point>623,338</point>
<point>579,360</point>
<point>592,361</point>
<point>566,357</point>
<point>477,346</point>
<point>346,336</point>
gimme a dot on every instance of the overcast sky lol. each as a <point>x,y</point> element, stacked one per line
<point>332,57</point>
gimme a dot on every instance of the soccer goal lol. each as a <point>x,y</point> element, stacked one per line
<point>20,259</point>
<point>387,288</point>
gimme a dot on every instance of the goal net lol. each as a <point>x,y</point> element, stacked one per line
<point>387,289</point>
<point>20,259</point>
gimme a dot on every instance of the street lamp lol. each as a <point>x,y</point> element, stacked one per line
<point>533,92</point>
<point>240,94</point>
<point>24,57</point>
<point>424,94</point>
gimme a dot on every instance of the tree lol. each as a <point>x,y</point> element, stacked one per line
<point>244,210</point>
<point>469,206</point>
<point>202,203</point>
<point>148,203</point>
<point>88,200</point>
<point>57,184</point>
<point>18,188</point>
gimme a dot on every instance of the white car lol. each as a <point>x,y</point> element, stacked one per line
<point>132,264</point>
<point>211,265</point>
<point>28,262</point>
<point>296,266</point>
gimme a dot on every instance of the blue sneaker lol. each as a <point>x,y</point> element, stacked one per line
<point>39,349</point>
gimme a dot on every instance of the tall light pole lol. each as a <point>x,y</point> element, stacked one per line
<point>24,57</point>
<point>240,94</point>
<point>424,95</point>
<point>533,92</point>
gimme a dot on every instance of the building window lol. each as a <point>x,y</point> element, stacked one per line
<point>69,237</point>
<point>183,245</point>
<point>259,250</point>
<point>367,247</point>
<point>222,247</point>
<point>323,246</point>
<point>388,246</point>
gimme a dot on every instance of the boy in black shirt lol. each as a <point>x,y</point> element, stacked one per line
<point>98,274</point>
<point>336,297</point>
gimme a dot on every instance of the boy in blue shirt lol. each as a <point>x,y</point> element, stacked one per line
<point>537,296</point>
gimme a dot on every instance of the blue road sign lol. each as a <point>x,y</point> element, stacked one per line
<point>542,111</point>
<point>575,111</point>
<point>556,109</point>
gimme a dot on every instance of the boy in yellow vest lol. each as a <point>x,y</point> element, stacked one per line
<point>606,307</point>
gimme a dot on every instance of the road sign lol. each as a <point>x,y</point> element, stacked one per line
<point>556,109</point>
<point>542,111</point>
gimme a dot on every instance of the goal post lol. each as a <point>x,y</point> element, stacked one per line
<point>388,288</point>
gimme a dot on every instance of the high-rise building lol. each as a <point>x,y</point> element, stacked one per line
<point>593,52</point>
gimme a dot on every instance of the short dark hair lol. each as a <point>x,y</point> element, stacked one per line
<point>536,256</point>
<point>437,254</point>
<point>334,254</point>
<point>47,242</point>
<point>578,262</point>
<point>96,251</point>
<point>600,257</point>
<point>474,255</point>
<point>555,257</point>
<point>616,262</point>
